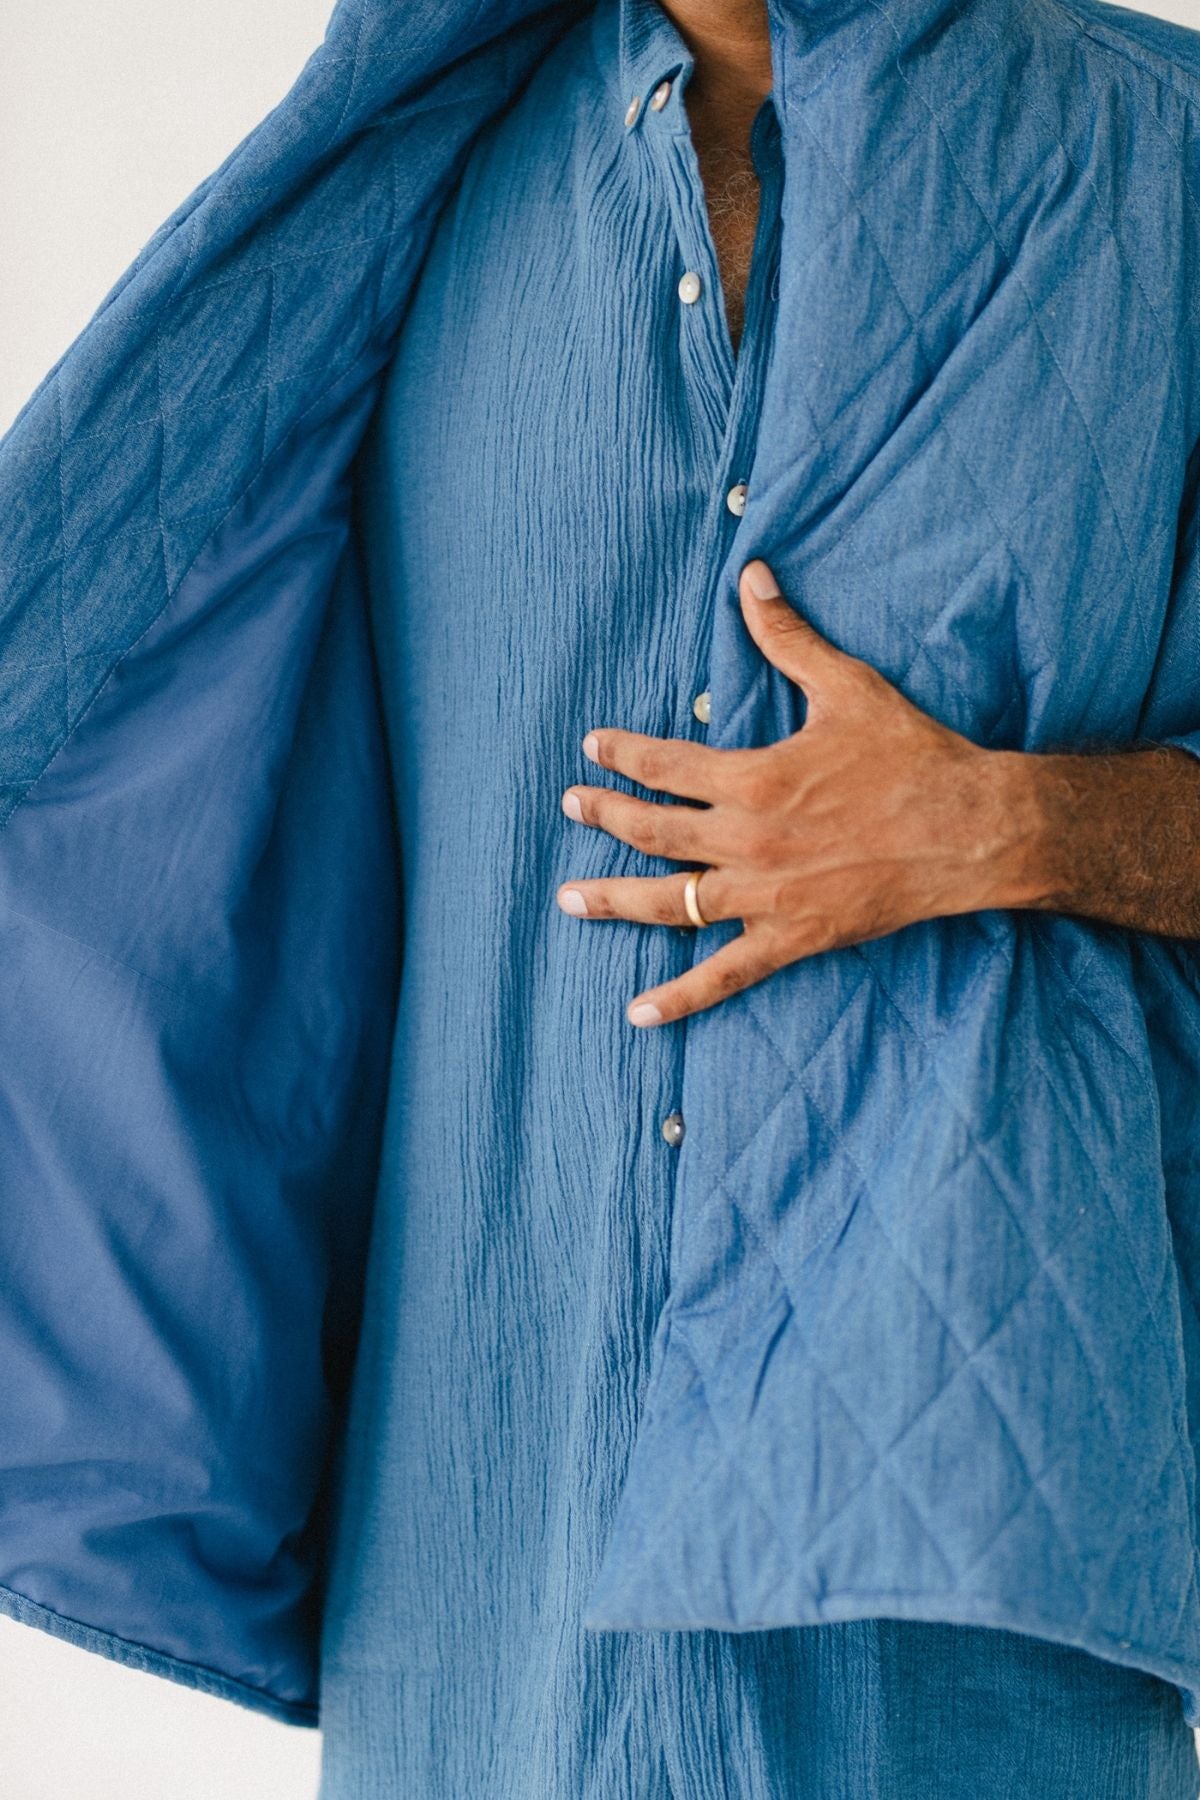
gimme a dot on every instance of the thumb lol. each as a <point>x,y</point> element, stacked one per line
<point>784,637</point>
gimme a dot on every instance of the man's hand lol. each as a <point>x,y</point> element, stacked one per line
<point>873,816</point>
<point>870,817</point>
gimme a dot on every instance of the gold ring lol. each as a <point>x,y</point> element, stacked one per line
<point>690,901</point>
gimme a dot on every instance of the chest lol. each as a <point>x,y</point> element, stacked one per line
<point>731,200</point>
<point>546,487</point>
<point>731,195</point>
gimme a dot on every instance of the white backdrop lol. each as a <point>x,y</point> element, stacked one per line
<point>113,111</point>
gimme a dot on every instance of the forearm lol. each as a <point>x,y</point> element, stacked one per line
<point>1112,835</point>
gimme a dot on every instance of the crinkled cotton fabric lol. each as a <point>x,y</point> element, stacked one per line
<point>925,1343</point>
<point>581,427</point>
<point>864,1709</point>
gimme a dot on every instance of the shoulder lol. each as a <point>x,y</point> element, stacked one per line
<point>1154,49</point>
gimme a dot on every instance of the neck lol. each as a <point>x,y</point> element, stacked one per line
<point>731,43</point>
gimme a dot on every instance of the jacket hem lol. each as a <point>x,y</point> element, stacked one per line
<point>934,1609</point>
<point>154,1662</point>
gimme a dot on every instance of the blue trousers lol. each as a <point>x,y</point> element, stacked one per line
<point>876,1709</point>
<point>912,1711</point>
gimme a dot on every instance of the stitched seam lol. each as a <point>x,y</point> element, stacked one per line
<point>266,418</point>
<point>822,1374</point>
<point>982,1156</point>
<point>1137,1504</point>
<point>977,1150</point>
<point>1013,266</point>
<point>939,423</point>
<point>364,355</point>
<point>230,1681</point>
<point>1125,52</point>
<point>350,85</point>
<point>162,464</point>
<point>1168,1361</point>
<point>962,95</point>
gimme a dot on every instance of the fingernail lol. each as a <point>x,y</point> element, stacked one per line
<point>571,806</point>
<point>644,1013</point>
<point>760,581</point>
<point>572,901</point>
<point>591,746</point>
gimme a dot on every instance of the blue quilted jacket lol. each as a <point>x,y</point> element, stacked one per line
<point>931,1345</point>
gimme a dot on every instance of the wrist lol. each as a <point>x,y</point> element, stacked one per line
<point>1010,848</point>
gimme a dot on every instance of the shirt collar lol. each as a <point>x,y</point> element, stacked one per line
<point>653,55</point>
<point>651,51</point>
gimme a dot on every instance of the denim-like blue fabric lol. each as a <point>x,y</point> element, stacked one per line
<point>864,1709</point>
<point>543,514</point>
<point>928,1344</point>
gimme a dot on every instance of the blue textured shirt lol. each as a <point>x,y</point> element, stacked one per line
<point>548,496</point>
<point>551,495</point>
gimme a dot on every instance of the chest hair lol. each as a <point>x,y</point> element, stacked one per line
<point>731,190</point>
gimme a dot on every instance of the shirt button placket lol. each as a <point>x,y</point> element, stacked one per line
<point>691,287</point>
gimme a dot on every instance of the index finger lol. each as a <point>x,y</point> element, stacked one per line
<point>674,765</point>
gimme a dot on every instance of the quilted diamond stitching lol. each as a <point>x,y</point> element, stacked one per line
<point>1177,145</point>
<point>884,1457</point>
<point>1039,498</point>
<point>1126,262</point>
<point>740,1468</point>
<point>795,1076</point>
<point>727,1455</point>
<point>801,1078</point>
<point>1170,1364</point>
<point>822,1373</point>
<point>966,1371</point>
<point>186,229</point>
<point>1138,1501</point>
<point>352,79</point>
<point>1101,1183</point>
<point>667,1520</point>
<point>1150,550</point>
<point>957,101</point>
<point>1040,1262</point>
<point>864,1199</point>
<point>1134,566</point>
<point>848,541</point>
<point>1032,320</point>
<point>932,304</point>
